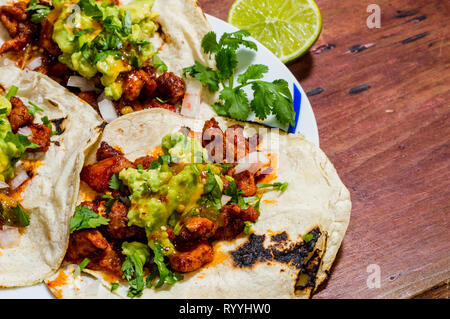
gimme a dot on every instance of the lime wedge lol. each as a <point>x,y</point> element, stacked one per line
<point>288,28</point>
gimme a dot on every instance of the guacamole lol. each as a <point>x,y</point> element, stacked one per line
<point>97,37</point>
<point>157,194</point>
<point>183,149</point>
<point>163,194</point>
<point>8,150</point>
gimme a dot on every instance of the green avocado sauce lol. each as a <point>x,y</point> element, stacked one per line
<point>164,194</point>
<point>98,37</point>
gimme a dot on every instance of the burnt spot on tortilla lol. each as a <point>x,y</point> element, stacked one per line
<point>251,252</point>
<point>59,125</point>
<point>291,255</point>
<point>305,255</point>
<point>52,103</point>
<point>102,126</point>
<point>281,237</point>
<point>30,172</point>
<point>56,143</point>
<point>307,275</point>
<point>280,250</point>
<point>312,259</point>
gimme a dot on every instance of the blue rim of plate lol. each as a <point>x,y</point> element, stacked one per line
<point>297,108</point>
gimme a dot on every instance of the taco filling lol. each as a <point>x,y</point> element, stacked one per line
<point>20,136</point>
<point>104,52</point>
<point>160,214</point>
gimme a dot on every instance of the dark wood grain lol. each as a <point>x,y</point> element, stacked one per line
<point>438,292</point>
<point>381,100</point>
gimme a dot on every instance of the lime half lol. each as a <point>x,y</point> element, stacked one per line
<point>288,28</point>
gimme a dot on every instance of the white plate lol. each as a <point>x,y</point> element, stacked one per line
<point>305,124</point>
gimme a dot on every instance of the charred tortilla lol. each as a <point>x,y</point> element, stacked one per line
<point>291,247</point>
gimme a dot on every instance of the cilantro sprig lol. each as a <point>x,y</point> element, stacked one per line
<point>133,269</point>
<point>268,97</point>
<point>165,275</point>
<point>133,272</point>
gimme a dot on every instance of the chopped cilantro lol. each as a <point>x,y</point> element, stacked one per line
<point>277,186</point>
<point>81,266</point>
<point>47,123</point>
<point>115,183</point>
<point>114,286</point>
<point>248,227</point>
<point>33,108</point>
<point>177,228</point>
<point>214,184</point>
<point>133,271</point>
<point>161,100</point>
<point>38,11</point>
<point>235,193</point>
<point>151,277</point>
<point>165,275</point>
<point>126,23</point>
<point>90,9</point>
<point>159,64</point>
<point>307,237</point>
<point>84,218</point>
<point>14,216</point>
<point>11,92</point>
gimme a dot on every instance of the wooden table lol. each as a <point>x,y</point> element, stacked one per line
<point>388,138</point>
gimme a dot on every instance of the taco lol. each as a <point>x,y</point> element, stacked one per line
<point>119,58</point>
<point>174,207</point>
<point>44,132</point>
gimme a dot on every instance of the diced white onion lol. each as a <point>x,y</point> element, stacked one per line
<point>25,131</point>
<point>252,163</point>
<point>18,180</point>
<point>3,185</point>
<point>192,102</point>
<point>9,237</point>
<point>107,109</point>
<point>34,64</point>
<point>83,84</point>
<point>8,62</point>
<point>225,199</point>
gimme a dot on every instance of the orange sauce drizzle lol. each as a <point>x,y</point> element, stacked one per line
<point>59,281</point>
<point>157,151</point>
